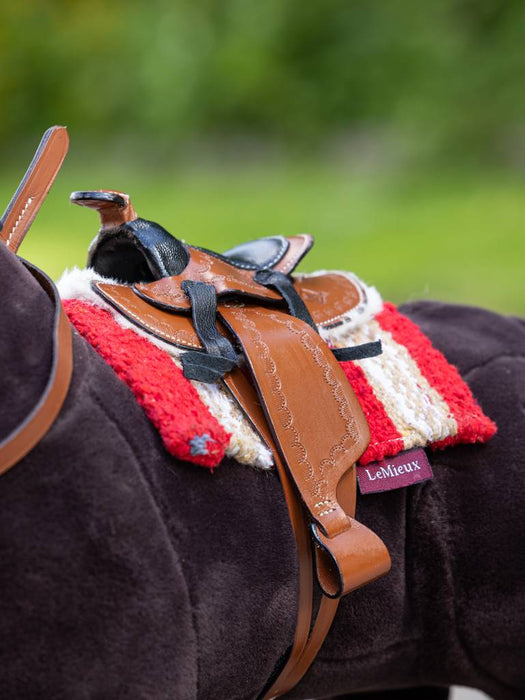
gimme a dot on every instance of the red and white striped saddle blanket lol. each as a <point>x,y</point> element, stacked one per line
<point>410,394</point>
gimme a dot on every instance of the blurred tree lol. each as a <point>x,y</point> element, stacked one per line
<point>449,71</point>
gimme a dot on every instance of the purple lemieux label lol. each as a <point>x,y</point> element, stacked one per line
<point>404,469</point>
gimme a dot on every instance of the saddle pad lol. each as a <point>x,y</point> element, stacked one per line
<point>411,395</point>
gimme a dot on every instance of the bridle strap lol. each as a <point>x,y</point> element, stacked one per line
<point>14,224</point>
<point>22,440</point>
<point>35,185</point>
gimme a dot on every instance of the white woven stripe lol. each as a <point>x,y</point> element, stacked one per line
<point>245,445</point>
<point>418,411</point>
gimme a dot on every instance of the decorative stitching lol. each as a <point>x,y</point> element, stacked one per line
<point>279,254</point>
<point>293,260</point>
<point>325,512</point>
<point>17,222</point>
<point>204,272</point>
<point>357,309</point>
<point>159,331</point>
<point>288,422</point>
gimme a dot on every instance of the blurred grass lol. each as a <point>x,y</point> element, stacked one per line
<point>452,235</point>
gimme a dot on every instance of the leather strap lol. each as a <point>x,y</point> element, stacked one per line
<point>293,672</point>
<point>243,391</point>
<point>22,440</point>
<point>220,356</point>
<point>325,616</point>
<point>307,639</point>
<point>319,459</point>
<point>284,285</point>
<point>34,187</point>
<point>293,370</point>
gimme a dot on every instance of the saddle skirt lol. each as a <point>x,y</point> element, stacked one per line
<point>410,394</point>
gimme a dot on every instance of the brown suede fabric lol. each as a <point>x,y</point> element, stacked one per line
<point>127,574</point>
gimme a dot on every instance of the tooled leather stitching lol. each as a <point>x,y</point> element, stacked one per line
<point>205,268</point>
<point>350,425</point>
<point>353,308</point>
<point>288,424</point>
<point>18,221</point>
<point>159,331</point>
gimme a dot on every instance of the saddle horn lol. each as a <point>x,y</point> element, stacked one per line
<point>128,248</point>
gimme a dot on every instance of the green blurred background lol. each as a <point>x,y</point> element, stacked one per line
<point>392,130</point>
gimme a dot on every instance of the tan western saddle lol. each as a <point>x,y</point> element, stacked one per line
<point>241,319</point>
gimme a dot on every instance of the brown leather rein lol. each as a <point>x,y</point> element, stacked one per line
<point>14,225</point>
<point>29,433</point>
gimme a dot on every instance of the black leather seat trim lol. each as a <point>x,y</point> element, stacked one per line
<point>257,254</point>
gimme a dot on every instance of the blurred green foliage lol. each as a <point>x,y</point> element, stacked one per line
<point>455,235</point>
<point>449,73</point>
<point>394,130</point>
